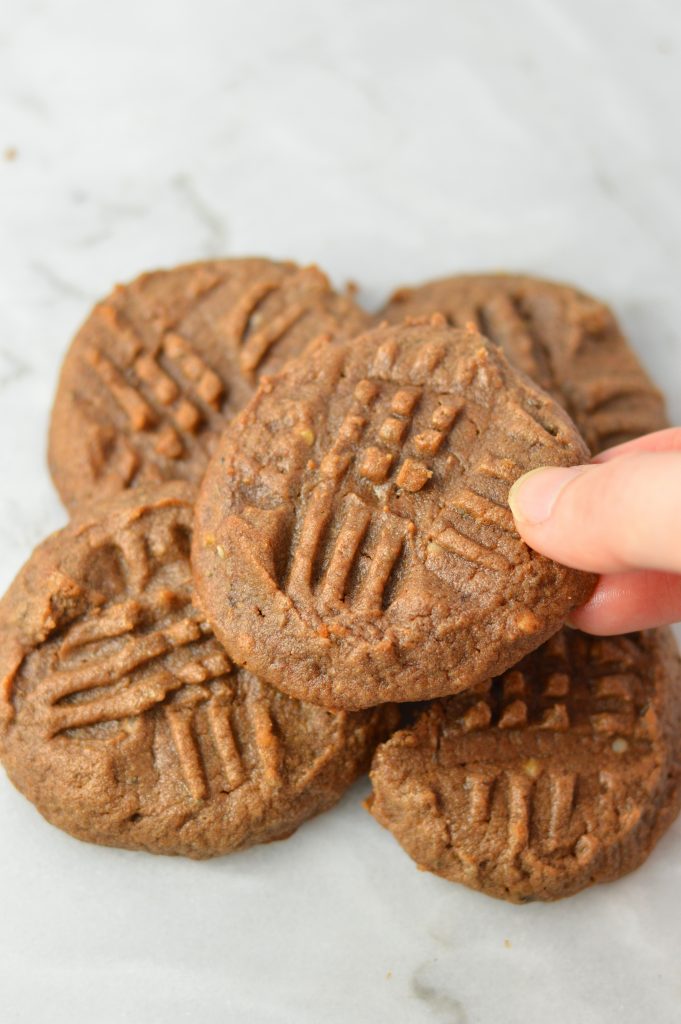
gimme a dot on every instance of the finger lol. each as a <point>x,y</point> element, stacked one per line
<point>661,441</point>
<point>623,602</point>
<point>607,517</point>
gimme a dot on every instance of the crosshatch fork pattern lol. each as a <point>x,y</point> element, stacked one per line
<point>150,662</point>
<point>146,660</point>
<point>161,365</point>
<point>580,690</point>
<point>122,717</point>
<point>550,777</point>
<point>395,441</point>
<point>168,673</point>
<point>163,394</point>
<point>593,687</point>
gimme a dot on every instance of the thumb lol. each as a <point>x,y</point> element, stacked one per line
<point>606,517</point>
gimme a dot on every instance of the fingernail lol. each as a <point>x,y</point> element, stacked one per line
<point>533,496</point>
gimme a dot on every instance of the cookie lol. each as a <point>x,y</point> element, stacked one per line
<point>562,772</point>
<point>567,341</point>
<point>161,365</point>
<point>353,542</point>
<point>121,717</point>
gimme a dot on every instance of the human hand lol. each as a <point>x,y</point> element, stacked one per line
<point>619,516</point>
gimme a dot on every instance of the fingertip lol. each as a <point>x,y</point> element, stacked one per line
<point>533,496</point>
<point>628,602</point>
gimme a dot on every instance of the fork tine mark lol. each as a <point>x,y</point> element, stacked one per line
<point>237,321</point>
<point>114,622</point>
<point>340,454</point>
<point>260,342</point>
<point>606,423</point>
<point>13,663</point>
<point>125,462</point>
<point>498,468</point>
<point>136,554</point>
<point>427,358</point>
<point>529,428</point>
<point>470,551</point>
<point>104,672</point>
<point>131,701</point>
<point>384,559</point>
<point>163,387</point>
<point>140,414</point>
<point>384,359</point>
<point>600,392</point>
<point>505,323</point>
<point>266,741</point>
<point>168,442</point>
<point>611,797</point>
<point>138,651</point>
<point>486,511</point>
<point>561,802</point>
<point>356,519</point>
<point>519,791</point>
<point>189,755</point>
<point>479,789</point>
<point>620,686</point>
<point>225,744</point>
<point>121,341</point>
<point>190,374</point>
<point>314,523</point>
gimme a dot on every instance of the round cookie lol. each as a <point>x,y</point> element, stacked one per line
<point>560,773</point>
<point>353,542</point>
<point>161,365</point>
<point>567,341</point>
<point>121,717</point>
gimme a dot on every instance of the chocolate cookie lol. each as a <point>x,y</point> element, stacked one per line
<point>562,772</point>
<point>161,365</point>
<point>567,341</point>
<point>353,541</point>
<point>121,716</point>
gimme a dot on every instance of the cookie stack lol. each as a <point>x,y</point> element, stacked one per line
<point>289,524</point>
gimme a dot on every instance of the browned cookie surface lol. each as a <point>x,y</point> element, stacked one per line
<point>353,541</point>
<point>562,772</point>
<point>161,364</point>
<point>121,716</point>
<point>567,341</point>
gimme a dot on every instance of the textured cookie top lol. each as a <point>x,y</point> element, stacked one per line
<point>561,772</point>
<point>353,523</point>
<point>567,341</point>
<point>161,364</point>
<point>121,716</point>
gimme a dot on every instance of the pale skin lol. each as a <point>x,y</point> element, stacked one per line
<point>619,516</point>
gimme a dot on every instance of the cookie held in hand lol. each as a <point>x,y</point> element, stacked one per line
<point>162,364</point>
<point>562,772</point>
<point>121,717</point>
<point>353,543</point>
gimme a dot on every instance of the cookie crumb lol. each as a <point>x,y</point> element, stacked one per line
<point>532,767</point>
<point>527,622</point>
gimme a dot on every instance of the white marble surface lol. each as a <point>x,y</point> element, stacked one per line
<point>390,141</point>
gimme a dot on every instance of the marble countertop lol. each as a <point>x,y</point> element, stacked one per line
<point>389,141</point>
